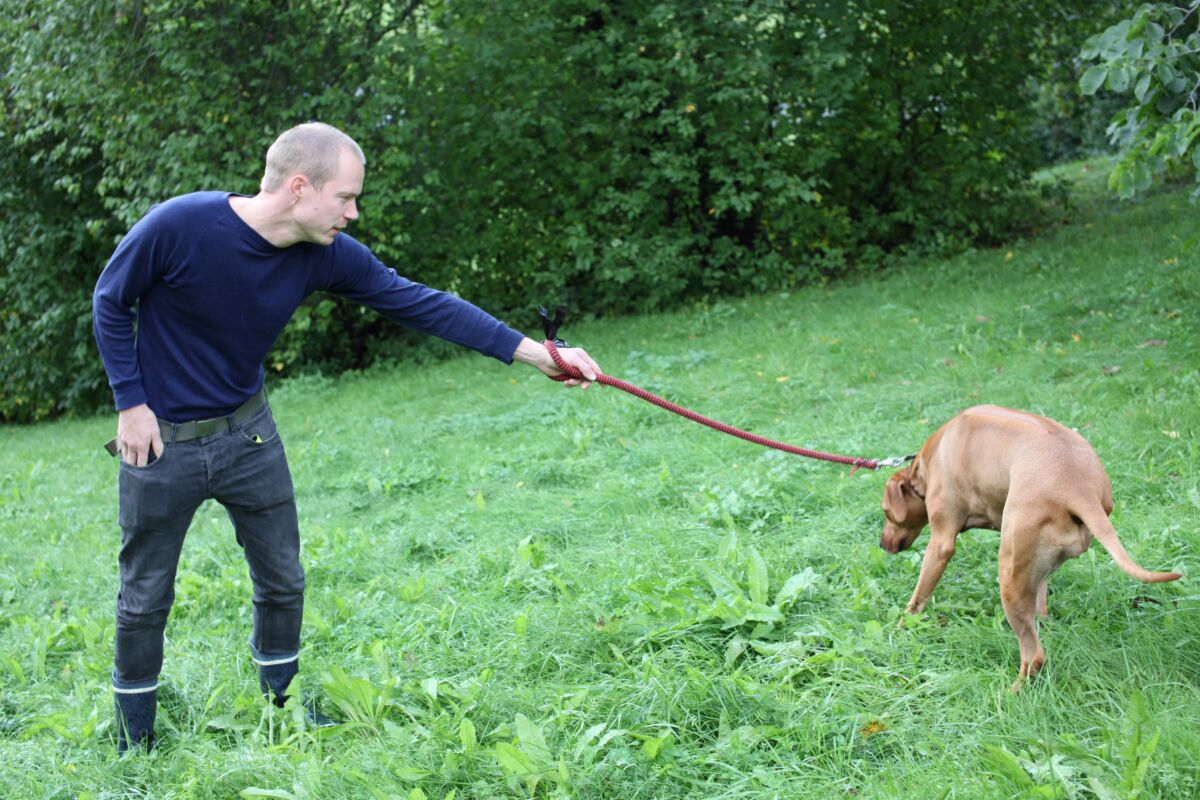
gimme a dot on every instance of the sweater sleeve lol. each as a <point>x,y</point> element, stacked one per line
<point>366,280</point>
<point>133,269</point>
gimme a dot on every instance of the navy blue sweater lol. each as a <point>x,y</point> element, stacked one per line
<point>210,296</point>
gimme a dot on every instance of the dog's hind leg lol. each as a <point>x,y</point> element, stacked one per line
<point>1042,592</point>
<point>1024,570</point>
<point>1020,607</point>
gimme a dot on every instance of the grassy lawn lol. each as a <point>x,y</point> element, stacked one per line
<point>516,590</point>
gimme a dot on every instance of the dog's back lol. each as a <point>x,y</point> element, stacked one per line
<point>1010,450</point>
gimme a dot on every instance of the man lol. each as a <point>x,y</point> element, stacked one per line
<point>211,279</point>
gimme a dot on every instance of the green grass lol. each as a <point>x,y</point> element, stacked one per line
<point>518,590</point>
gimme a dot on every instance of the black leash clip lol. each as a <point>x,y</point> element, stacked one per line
<point>551,326</point>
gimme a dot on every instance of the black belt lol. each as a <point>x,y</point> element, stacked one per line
<point>195,429</point>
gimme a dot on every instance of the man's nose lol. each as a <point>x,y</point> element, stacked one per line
<point>352,211</point>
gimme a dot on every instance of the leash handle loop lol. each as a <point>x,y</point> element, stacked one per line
<point>551,326</point>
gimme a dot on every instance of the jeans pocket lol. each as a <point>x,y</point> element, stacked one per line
<point>146,496</point>
<point>154,460</point>
<point>260,429</point>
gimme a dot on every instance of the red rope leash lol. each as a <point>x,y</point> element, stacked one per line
<point>571,372</point>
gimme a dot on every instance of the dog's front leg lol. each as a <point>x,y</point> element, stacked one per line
<point>1043,593</point>
<point>938,553</point>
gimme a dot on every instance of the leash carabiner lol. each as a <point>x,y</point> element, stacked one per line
<point>895,461</point>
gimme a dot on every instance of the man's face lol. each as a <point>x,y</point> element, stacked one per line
<point>321,213</point>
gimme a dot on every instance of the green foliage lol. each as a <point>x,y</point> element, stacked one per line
<point>1152,60</point>
<point>1067,124</point>
<point>619,157</point>
<point>109,108</point>
<point>742,601</point>
<point>655,152</point>
<point>1064,769</point>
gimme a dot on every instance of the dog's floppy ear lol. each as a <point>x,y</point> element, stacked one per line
<point>895,497</point>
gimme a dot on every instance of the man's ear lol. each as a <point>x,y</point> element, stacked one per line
<point>295,184</point>
<point>895,497</point>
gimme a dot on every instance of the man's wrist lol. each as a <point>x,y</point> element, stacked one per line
<point>533,353</point>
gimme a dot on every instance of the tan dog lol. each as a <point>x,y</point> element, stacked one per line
<point>1038,483</point>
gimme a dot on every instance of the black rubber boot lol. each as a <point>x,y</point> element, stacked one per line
<point>274,679</point>
<point>135,719</point>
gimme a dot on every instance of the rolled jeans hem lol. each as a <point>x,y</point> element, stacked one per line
<point>133,687</point>
<point>271,659</point>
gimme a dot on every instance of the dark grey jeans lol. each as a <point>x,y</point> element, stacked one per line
<point>245,469</point>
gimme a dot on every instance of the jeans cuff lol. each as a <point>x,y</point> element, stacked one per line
<point>133,687</point>
<point>271,659</point>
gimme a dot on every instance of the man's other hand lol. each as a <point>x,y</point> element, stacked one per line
<point>138,435</point>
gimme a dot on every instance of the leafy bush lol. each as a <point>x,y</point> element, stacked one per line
<point>619,157</point>
<point>1067,124</point>
<point>109,108</point>
<point>1152,58</point>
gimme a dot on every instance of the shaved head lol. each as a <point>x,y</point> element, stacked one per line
<point>311,150</point>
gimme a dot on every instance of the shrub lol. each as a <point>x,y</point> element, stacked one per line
<point>617,156</point>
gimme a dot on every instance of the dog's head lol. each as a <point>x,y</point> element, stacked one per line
<point>904,512</point>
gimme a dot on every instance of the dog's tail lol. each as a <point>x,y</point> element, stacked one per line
<point>1101,527</point>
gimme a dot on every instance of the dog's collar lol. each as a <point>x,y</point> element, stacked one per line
<point>912,469</point>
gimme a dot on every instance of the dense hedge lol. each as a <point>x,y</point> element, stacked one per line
<point>618,156</point>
